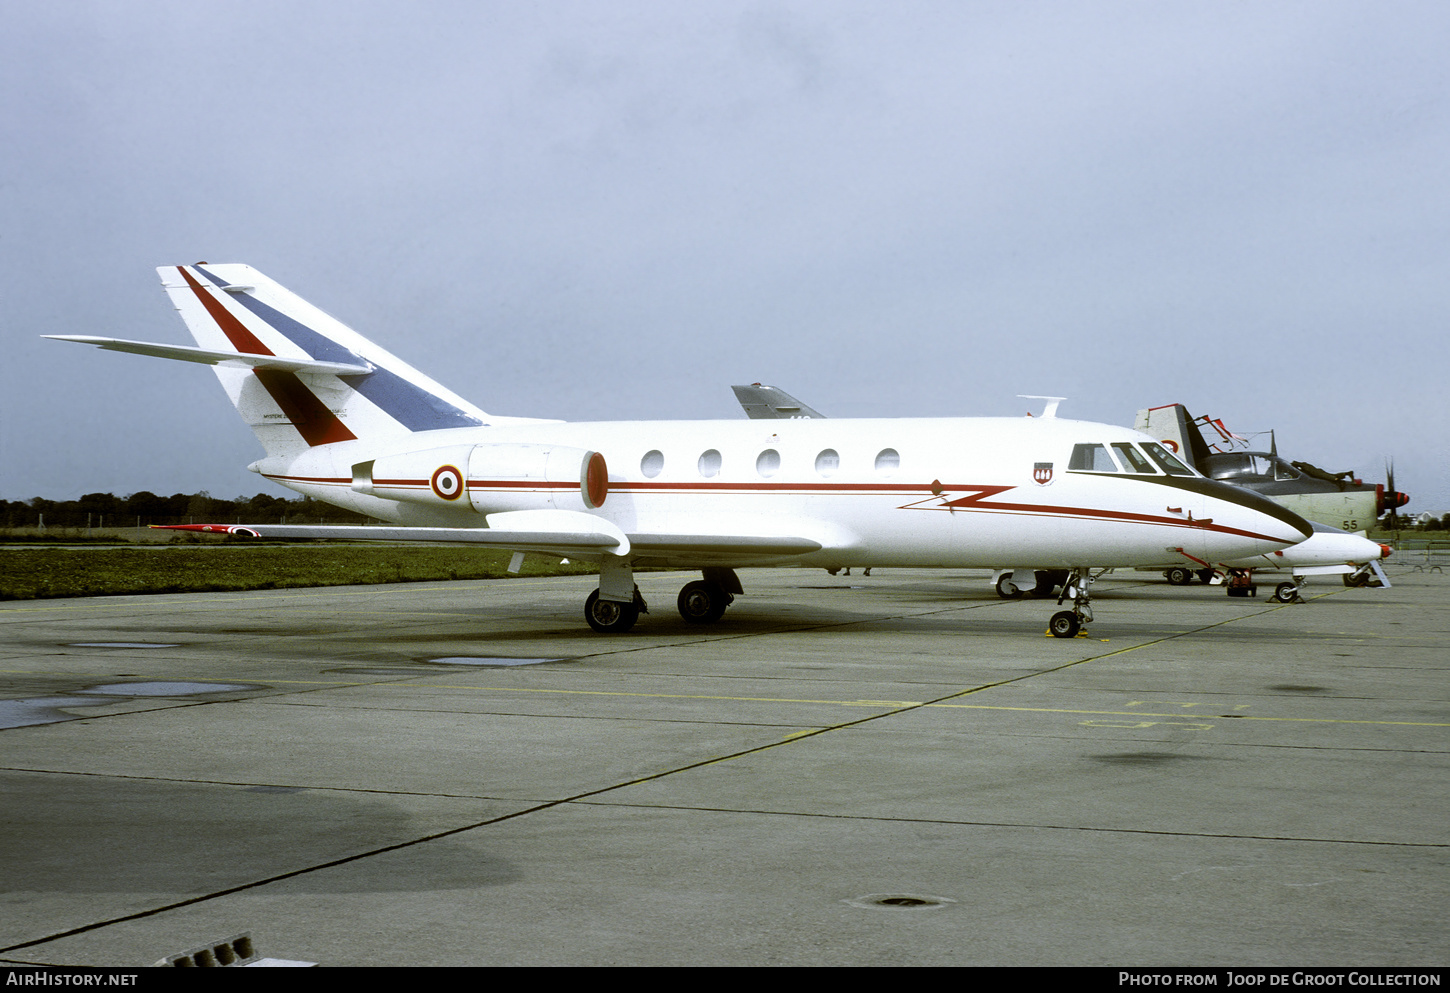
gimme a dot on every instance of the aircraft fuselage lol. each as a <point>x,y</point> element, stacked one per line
<point>950,492</point>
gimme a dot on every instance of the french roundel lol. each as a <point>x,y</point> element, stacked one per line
<point>447,482</point>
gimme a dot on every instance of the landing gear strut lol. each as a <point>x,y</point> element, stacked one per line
<point>1067,623</point>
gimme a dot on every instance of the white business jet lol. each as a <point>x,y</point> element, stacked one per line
<point>344,421</point>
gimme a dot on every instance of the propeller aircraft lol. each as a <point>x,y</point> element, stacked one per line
<point>1306,489</point>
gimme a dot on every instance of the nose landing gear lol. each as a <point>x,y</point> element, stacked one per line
<point>1067,623</point>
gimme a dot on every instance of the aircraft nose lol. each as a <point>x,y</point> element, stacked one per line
<point>1385,551</point>
<point>1254,517</point>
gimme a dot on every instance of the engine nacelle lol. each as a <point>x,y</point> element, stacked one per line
<point>523,477</point>
<point>489,478</point>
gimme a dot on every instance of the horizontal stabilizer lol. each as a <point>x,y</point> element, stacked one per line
<point>187,353</point>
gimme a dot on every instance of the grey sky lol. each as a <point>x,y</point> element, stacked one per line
<point>607,210</point>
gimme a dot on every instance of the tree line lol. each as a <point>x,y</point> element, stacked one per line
<point>106,510</point>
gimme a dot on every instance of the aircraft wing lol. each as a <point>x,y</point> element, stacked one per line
<point>548,532</point>
<point>564,543</point>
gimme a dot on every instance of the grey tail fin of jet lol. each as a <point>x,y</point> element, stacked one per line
<point>772,403</point>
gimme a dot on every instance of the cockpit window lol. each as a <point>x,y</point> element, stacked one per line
<point>1245,466</point>
<point>1133,458</point>
<point>1092,458</point>
<point>1166,459</point>
<point>1283,470</point>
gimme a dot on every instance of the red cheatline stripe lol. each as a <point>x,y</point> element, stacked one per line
<point>242,339</point>
<point>961,506</point>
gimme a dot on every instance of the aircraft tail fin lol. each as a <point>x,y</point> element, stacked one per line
<point>1175,427</point>
<point>298,376</point>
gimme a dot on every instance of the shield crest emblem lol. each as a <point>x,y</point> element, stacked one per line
<point>1042,473</point>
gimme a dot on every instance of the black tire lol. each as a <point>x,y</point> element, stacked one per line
<point>1286,592</point>
<point>1179,575</point>
<point>703,603</point>
<point>1064,624</point>
<point>1205,575</point>
<point>609,616</point>
<point>1006,589</point>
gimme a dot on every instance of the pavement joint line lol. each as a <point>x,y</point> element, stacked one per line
<point>896,705</point>
<point>1026,826</point>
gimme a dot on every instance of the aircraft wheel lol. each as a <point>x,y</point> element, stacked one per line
<point>703,603</point>
<point>1006,589</point>
<point>1064,624</point>
<point>609,616</point>
<point>1205,575</point>
<point>1350,579</point>
<point>1286,592</point>
<point>1179,575</point>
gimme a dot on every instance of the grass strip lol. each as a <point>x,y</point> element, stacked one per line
<point>39,573</point>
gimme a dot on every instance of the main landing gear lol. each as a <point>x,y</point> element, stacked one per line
<point>613,616</point>
<point>704,601</point>
<point>1067,623</point>
<point>1045,583</point>
<point>701,602</point>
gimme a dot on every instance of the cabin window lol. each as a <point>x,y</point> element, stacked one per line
<point>1166,459</point>
<point>1091,458</point>
<point>768,463</point>
<point>710,464</point>
<point>1132,458</point>
<point>828,463</point>
<point>652,463</point>
<point>888,460</point>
